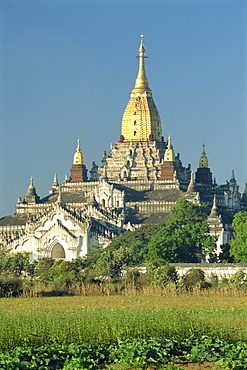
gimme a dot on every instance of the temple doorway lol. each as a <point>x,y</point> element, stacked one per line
<point>58,252</point>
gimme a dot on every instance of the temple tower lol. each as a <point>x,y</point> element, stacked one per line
<point>203,173</point>
<point>168,166</point>
<point>141,120</point>
<point>78,171</point>
<point>140,151</point>
<point>31,196</point>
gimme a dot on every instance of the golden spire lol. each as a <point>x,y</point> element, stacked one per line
<point>169,152</point>
<point>78,157</point>
<point>141,83</point>
<point>141,120</point>
<point>203,159</point>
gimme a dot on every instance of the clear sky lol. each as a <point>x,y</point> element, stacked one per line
<point>67,69</point>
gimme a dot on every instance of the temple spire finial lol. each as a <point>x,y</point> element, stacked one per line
<point>142,47</point>
<point>78,157</point>
<point>203,159</point>
<point>214,212</point>
<point>55,181</point>
<point>78,149</point>
<point>141,83</point>
<point>191,186</point>
<point>169,152</point>
<point>31,188</point>
<point>59,196</point>
<point>233,175</point>
<point>31,196</point>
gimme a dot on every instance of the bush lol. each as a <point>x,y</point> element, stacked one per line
<point>163,275</point>
<point>214,280</point>
<point>10,286</point>
<point>194,277</point>
<point>239,279</point>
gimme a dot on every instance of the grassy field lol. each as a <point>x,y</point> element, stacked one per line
<point>100,320</point>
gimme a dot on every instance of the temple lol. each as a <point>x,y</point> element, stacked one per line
<point>139,181</point>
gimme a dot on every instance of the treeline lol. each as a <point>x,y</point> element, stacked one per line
<point>184,238</point>
<point>20,277</point>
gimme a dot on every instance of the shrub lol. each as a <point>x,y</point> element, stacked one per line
<point>163,275</point>
<point>10,285</point>
<point>238,279</point>
<point>214,280</point>
<point>194,277</point>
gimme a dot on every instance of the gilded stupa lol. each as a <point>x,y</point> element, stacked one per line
<point>78,171</point>
<point>203,173</point>
<point>140,150</point>
<point>168,167</point>
<point>141,120</point>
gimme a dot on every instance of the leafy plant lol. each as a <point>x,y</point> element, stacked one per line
<point>130,353</point>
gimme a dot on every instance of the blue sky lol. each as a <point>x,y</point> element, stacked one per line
<point>67,69</point>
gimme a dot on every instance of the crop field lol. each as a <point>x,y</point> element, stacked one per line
<point>124,332</point>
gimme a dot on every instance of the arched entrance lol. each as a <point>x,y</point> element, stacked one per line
<point>58,252</point>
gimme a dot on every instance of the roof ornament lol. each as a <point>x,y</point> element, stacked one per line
<point>59,202</point>
<point>214,211</point>
<point>59,196</point>
<point>203,162</point>
<point>169,152</point>
<point>142,48</point>
<point>233,179</point>
<point>78,157</point>
<point>191,186</point>
<point>31,189</point>
<point>78,149</point>
<point>55,181</point>
<point>31,196</point>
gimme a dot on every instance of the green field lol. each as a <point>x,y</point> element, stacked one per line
<point>101,320</point>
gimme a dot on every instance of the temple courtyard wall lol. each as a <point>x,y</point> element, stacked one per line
<point>222,270</point>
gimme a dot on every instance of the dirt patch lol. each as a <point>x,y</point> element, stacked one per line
<point>194,366</point>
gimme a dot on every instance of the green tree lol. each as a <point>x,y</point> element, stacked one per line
<point>110,263</point>
<point>185,236</point>
<point>42,271</point>
<point>224,256</point>
<point>238,245</point>
<point>163,275</point>
<point>16,264</point>
<point>16,272</point>
<point>134,243</point>
<point>124,252</point>
<point>239,279</point>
